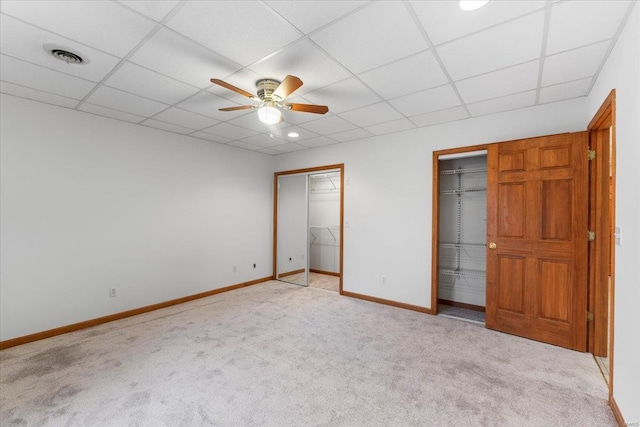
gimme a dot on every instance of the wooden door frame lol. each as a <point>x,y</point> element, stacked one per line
<point>307,171</point>
<point>604,118</point>
<point>435,216</point>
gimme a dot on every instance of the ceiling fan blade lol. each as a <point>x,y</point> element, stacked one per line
<point>241,107</point>
<point>233,88</point>
<point>289,85</point>
<point>308,108</point>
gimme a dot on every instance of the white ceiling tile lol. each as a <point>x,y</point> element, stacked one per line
<point>103,25</point>
<point>444,20</point>
<point>372,114</point>
<point>155,10</point>
<point>349,38</point>
<point>166,126</point>
<point>36,95</point>
<point>208,104</point>
<point>26,42</point>
<point>343,96</point>
<point>269,151</point>
<point>499,83</point>
<point>245,145</point>
<point>175,56</point>
<point>426,101</point>
<point>573,64</point>
<point>242,31</point>
<point>564,91</point>
<point>328,125</point>
<point>320,141</point>
<point>265,140</point>
<point>505,103</point>
<point>578,23</point>
<point>311,15</point>
<point>140,81</point>
<point>390,127</point>
<point>123,101</point>
<point>44,79</point>
<point>316,70</point>
<point>351,135</point>
<point>289,147</point>
<point>442,116</point>
<point>405,76</point>
<point>108,112</point>
<point>230,131</point>
<point>502,46</point>
<point>185,118</point>
<point>211,137</point>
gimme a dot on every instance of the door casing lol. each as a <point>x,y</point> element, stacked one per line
<point>340,167</point>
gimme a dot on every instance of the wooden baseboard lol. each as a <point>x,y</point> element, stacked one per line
<point>327,273</point>
<point>291,273</point>
<point>387,302</point>
<point>117,316</point>
<point>461,305</point>
<point>616,412</point>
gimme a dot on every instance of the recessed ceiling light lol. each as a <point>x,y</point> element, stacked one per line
<point>472,4</point>
<point>293,134</point>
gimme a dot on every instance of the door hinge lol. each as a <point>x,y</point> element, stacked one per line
<point>591,235</point>
<point>592,154</point>
<point>590,316</point>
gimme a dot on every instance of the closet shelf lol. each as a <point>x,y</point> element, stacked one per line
<point>463,245</point>
<point>461,171</point>
<point>320,228</point>
<point>460,272</point>
<point>464,190</point>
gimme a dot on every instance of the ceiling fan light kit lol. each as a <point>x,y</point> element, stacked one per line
<point>269,115</point>
<point>271,94</point>
<point>469,5</point>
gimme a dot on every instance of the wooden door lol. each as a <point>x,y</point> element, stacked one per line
<point>537,239</point>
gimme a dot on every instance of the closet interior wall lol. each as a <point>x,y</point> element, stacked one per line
<point>324,223</point>
<point>462,230</point>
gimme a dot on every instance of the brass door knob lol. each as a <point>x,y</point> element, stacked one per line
<point>492,245</point>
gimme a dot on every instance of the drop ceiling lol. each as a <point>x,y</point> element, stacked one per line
<point>380,66</point>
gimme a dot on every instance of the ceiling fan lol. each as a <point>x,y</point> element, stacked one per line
<point>271,95</point>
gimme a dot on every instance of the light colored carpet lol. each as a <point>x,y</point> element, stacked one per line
<point>316,280</point>
<point>277,354</point>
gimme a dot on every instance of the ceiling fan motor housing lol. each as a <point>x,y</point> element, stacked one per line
<point>266,87</point>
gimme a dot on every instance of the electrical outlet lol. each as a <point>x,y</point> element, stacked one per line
<point>385,280</point>
<point>235,268</point>
<point>113,292</point>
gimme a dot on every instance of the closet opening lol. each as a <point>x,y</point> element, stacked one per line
<point>460,213</point>
<point>308,222</point>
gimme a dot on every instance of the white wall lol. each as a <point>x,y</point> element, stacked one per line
<point>622,72</point>
<point>388,199</point>
<point>88,203</point>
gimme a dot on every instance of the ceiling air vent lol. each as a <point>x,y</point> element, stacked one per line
<point>64,54</point>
